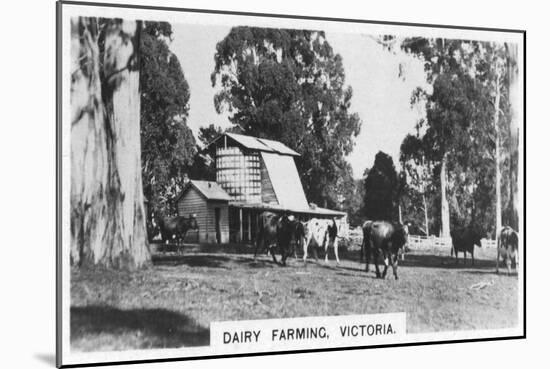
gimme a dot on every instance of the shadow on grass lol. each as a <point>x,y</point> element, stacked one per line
<point>211,260</point>
<point>493,271</point>
<point>162,328</point>
<point>192,260</point>
<point>448,262</point>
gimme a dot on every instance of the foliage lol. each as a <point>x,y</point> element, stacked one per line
<point>288,85</point>
<point>458,126</point>
<point>382,187</point>
<point>168,145</point>
<point>209,133</point>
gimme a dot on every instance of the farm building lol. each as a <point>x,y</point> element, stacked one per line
<point>208,202</point>
<point>252,175</point>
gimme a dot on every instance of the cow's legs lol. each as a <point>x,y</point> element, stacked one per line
<point>335,244</point>
<point>305,243</point>
<point>272,251</point>
<point>283,256</point>
<point>367,258</point>
<point>376,253</point>
<point>394,263</point>
<point>326,242</point>
<point>498,258</point>
<point>315,253</point>
<point>508,262</point>
<point>386,262</point>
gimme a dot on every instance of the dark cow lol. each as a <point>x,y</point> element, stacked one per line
<point>175,228</point>
<point>386,239</point>
<point>365,245</point>
<point>299,235</point>
<point>275,230</point>
<point>507,248</point>
<point>267,232</point>
<point>464,240</point>
<point>285,233</point>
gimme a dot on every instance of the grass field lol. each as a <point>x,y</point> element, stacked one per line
<point>172,303</point>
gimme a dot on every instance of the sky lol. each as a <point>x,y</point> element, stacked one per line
<point>380,96</point>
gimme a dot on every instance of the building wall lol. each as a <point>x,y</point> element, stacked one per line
<point>193,203</point>
<point>238,173</point>
<point>268,193</point>
<point>210,231</point>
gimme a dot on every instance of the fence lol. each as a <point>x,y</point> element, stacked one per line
<point>424,242</point>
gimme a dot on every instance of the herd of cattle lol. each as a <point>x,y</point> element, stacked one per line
<point>381,239</point>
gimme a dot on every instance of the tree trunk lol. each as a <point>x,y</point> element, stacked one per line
<point>426,214</point>
<point>445,216</point>
<point>107,211</point>
<point>400,215</point>
<point>497,155</point>
<point>514,97</point>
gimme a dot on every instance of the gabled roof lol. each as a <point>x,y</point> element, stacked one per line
<point>278,147</point>
<point>208,190</point>
<point>260,144</point>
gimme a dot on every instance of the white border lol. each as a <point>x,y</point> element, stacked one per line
<point>217,19</point>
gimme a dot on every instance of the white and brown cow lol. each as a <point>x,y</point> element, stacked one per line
<point>320,233</point>
<point>507,248</point>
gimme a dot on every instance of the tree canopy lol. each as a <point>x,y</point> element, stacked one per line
<point>288,85</point>
<point>458,134</point>
<point>381,189</point>
<point>168,145</point>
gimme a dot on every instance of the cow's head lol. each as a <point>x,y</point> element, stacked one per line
<point>477,239</point>
<point>475,233</point>
<point>401,236</point>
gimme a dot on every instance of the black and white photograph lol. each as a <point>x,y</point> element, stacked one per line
<point>240,184</point>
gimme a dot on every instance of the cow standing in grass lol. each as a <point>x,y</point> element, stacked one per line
<point>315,235</point>
<point>267,232</point>
<point>507,248</point>
<point>464,240</point>
<point>365,245</point>
<point>175,228</point>
<point>331,238</point>
<point>275,230</point>
<point>386,239</point>
<point>299,235</point>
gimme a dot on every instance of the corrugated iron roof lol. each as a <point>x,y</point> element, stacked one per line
<point>278,147</point>
<point>276,207</point>
<point>260,144</point>
<point>210,190</point>
<point>249,142</point>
